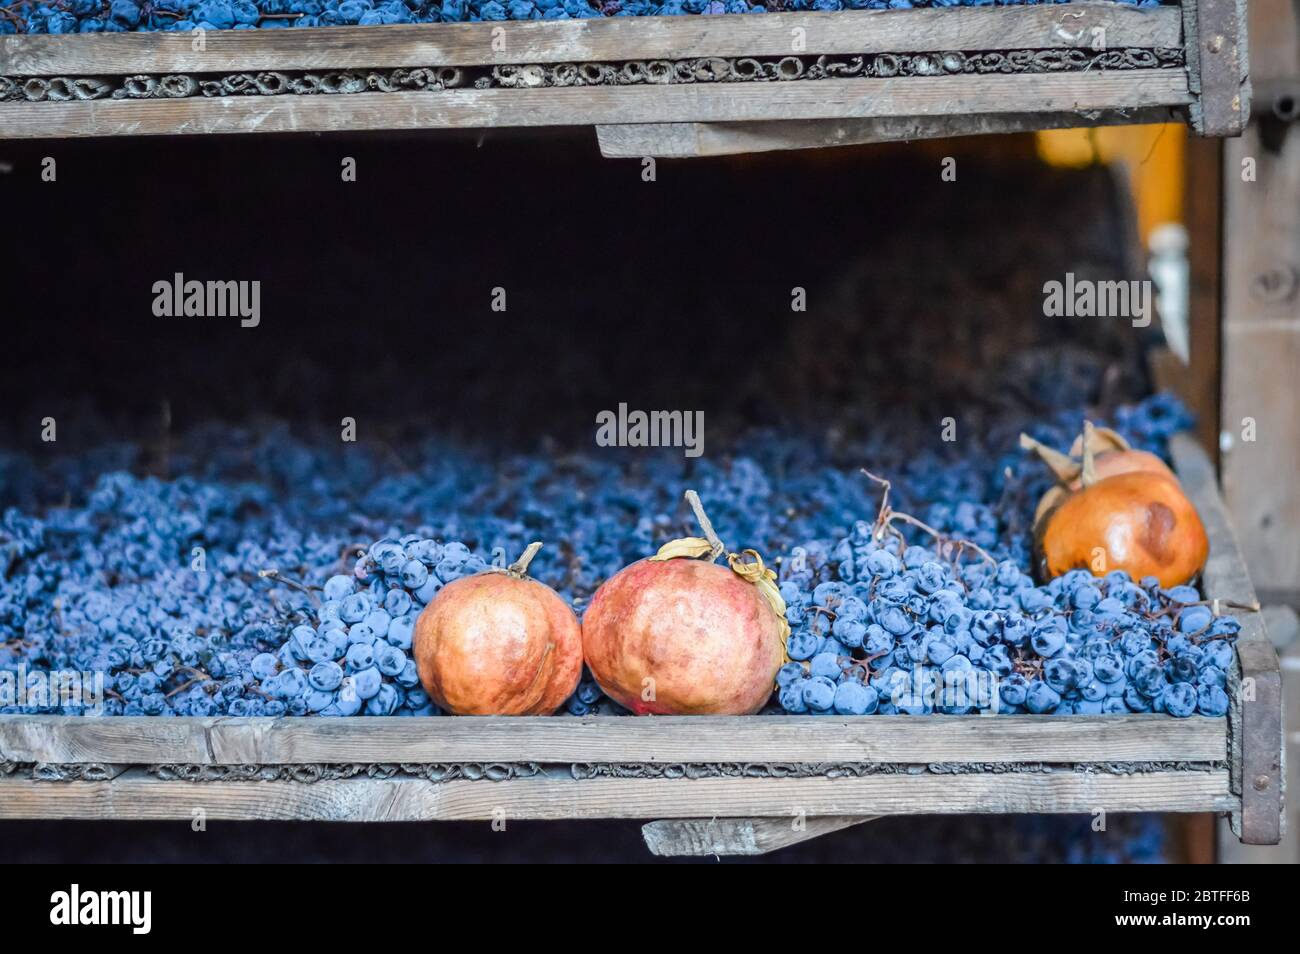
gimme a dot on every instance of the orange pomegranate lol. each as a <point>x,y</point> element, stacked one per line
<point>1118,512</point>
<point>1139,522</point>
<point>498,643</point>
<point>675,634</point>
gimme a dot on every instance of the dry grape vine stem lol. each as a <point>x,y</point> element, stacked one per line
<point>887,515</point>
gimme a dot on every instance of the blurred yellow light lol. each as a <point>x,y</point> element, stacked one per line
<point>1151,156</point>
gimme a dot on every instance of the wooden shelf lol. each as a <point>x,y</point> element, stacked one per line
<point>136,796</point>
<point>748,771</point>
<point>663,740</point>
<point>718,103</point>
<point>558,768</point>
<point>688,101</point>
<point>611,39</point>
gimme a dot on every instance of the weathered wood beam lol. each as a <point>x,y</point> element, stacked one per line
<point>695,140</point>
<point>1261,310</point>
<point>611,39</point>
<point>596,105</point>
<point>1217,60</point>
<point>658,740</point>
<point>703,837</point>
<point>136,795</point>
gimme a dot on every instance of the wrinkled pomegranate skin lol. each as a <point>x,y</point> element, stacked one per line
<point>1144,522</point>
<point>707,638</point>
<point>481,647</point>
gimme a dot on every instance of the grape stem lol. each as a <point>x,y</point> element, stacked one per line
<point>887,515</point>
<point>271,573</point>
<point>715,543</point>
<point>181,688</point>
<point>1213,604</point>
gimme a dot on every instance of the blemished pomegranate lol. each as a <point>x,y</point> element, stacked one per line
<point>677,634</point>
<point>498,643</point>
<point>1122,510</point>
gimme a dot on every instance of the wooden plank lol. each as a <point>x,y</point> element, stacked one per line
<point>1216,48</point>
<point>611,39</point>
<point>1261,318</point>
<point>1274,28</point>
<point>1257,736</point>
<point>719,102</point>
<point>1275,66</point>
<point>703,837</point>
<point>1198,382</point>
<point>693,140</point>
<point>1264,306</point>
<point>77,739</point>
<point>660,739</point>
<point>137,796</point>
<point>1287,852</point>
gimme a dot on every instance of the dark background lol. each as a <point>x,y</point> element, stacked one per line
<point>375,294</point>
